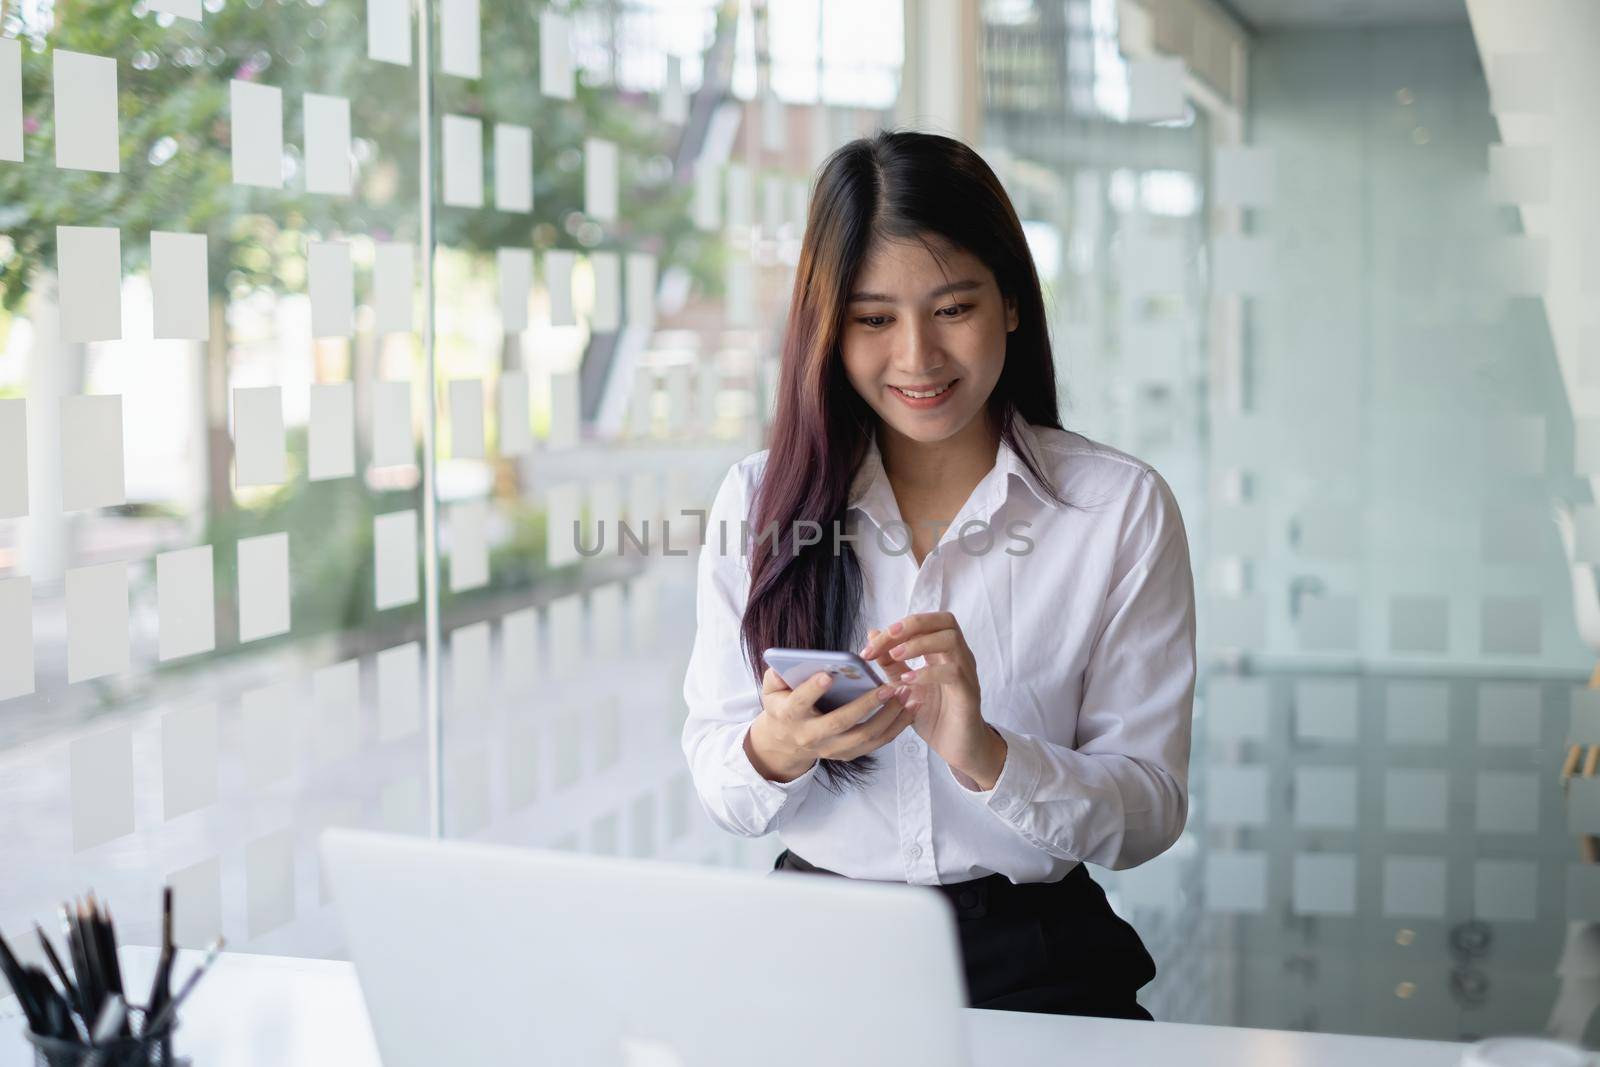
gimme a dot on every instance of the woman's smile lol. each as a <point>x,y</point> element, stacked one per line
<point>924,398</point>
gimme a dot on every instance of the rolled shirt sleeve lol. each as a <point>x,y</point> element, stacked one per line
<point>1120,796</point>
<point>722,697</point>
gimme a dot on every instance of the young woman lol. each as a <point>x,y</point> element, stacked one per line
<point>1026,591</point>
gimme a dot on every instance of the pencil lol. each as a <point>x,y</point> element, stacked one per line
<point>22,987</point>
<point>108,935</point>
<point>61,972</point>
<point>80,966</point>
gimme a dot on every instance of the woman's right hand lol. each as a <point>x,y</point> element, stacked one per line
<point>790,734</point>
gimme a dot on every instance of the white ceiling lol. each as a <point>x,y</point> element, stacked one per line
<point>1266,14</point>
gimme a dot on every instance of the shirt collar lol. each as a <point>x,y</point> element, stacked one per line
<point>1028,440</point>
<point>870,490</point>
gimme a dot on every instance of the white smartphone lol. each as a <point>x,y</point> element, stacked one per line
<point>853,677</point>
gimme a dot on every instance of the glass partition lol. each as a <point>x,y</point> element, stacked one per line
<point>215,417</point>
<point>607,334</point>
<point>211,401</point>
<point>1327,278</point>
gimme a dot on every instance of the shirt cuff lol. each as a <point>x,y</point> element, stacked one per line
<point>773,794</point>
<point>1019,776</point>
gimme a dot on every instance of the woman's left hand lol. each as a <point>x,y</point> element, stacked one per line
<point>944,693</point>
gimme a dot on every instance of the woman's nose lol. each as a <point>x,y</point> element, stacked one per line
<point>921,353</point>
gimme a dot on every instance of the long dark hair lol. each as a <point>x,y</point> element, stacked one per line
<point>893,185</point>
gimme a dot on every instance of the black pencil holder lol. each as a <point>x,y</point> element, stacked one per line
<point>146,1050</point>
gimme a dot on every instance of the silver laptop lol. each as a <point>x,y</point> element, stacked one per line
<point>484,954</point>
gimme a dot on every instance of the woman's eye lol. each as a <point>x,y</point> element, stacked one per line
<point>954,310</point>
<point>873,320</point>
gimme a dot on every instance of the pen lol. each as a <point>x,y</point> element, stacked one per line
<point>161,984</point>
<point>155,1024</point>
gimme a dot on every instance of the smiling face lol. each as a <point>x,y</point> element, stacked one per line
<point>924,337</point>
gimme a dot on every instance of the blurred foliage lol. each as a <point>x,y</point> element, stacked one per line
<point>176,141</point>
<point>175,137</point>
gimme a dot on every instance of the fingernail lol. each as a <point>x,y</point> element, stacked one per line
<point>894,628</point>
<point>908,676</point>
<point>882,693</point>
<point>897,651</point>
<point>865,649</point>
<point>824,680</point>
<point>900,692</point>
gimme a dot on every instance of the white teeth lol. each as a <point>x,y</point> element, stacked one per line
<point>921,396</point>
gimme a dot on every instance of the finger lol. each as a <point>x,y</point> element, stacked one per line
<point>866,737</point>
<point>891,667</point>
<point>875,651</point>
<point>935,674</point>
<point>925,622</point>
<point>947,641</point>
<point>885,725</point>
<point>802,701</point>
<point>820,728</point>
<point>772,682</point>
<point>873,735</point>
<point>823,738</point>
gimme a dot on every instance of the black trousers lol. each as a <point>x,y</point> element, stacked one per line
<point>1053,947</point>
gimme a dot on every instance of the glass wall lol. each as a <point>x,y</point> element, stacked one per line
<point>211,399</point>
<point>1330,279</point>
<point>221,428</point>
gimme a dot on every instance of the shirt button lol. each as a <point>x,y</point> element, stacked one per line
<point>915,852</point>
<point>910,744</point>
<point>1002,804</point>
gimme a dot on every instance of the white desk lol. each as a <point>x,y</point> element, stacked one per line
<point>272,1011</point>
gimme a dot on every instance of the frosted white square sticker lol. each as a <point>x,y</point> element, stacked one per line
<point>394,538</point>
<point>89,261</point>
<point>86,112</point>
<point>327,148</point>
<point>91,453</point>
<point>186,602</point>
<point>97,621</point>
<point>332,437</point>
<point>513,168</point>
<point>392,284</point>
<point>331,279</point>
<point>263,586</point>
<point>259,456</point>
<point>179,284</point>
<point>463,160</point>
<point>256,113</point>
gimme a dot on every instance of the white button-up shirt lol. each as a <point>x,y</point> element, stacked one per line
<point>1085,647</point>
